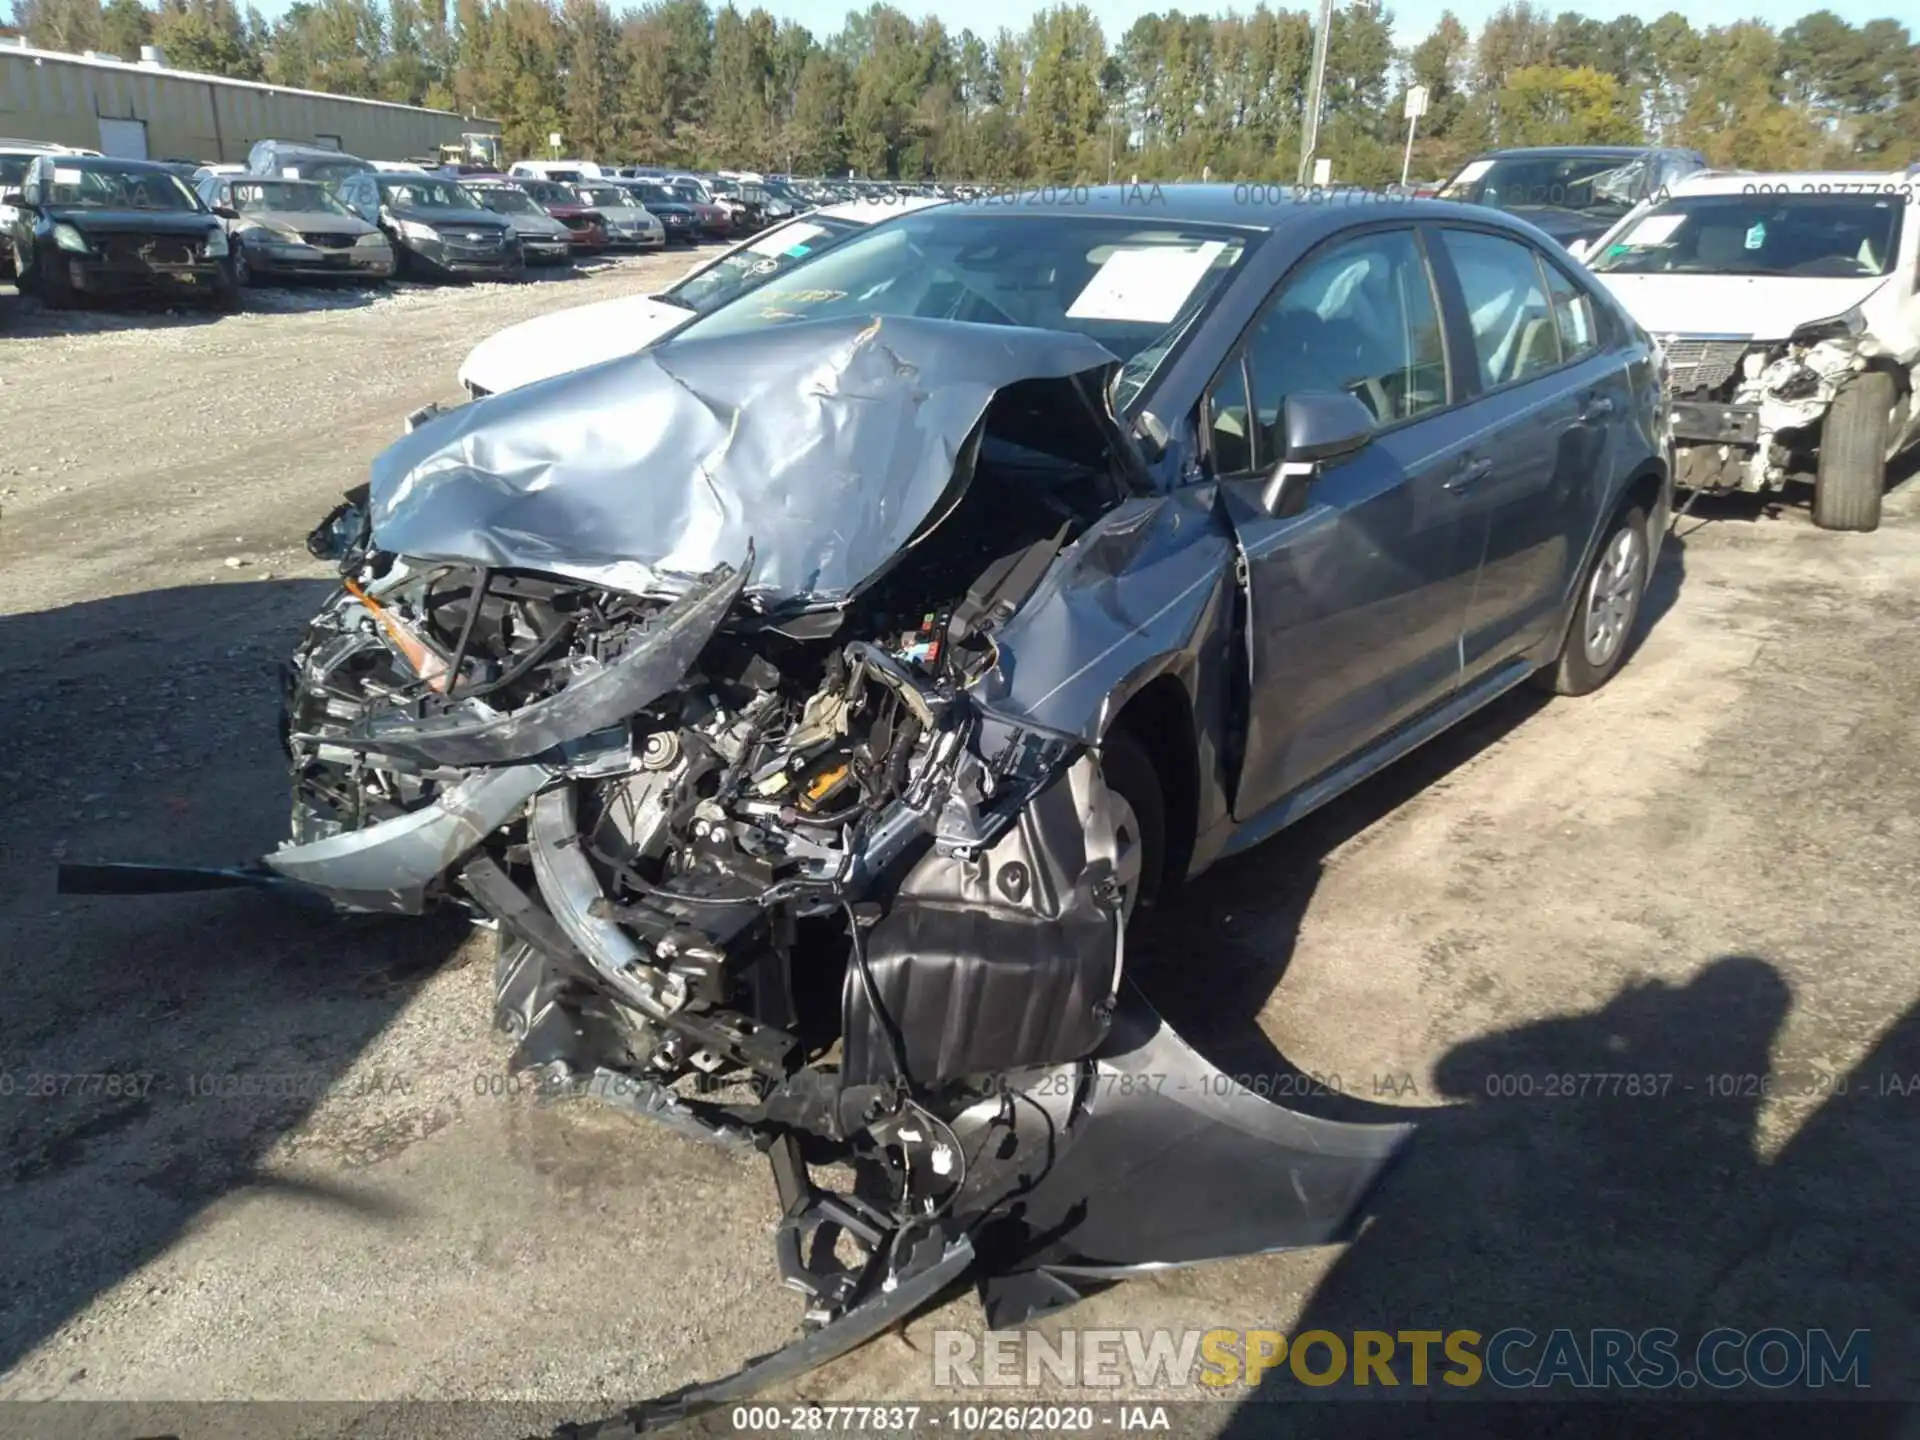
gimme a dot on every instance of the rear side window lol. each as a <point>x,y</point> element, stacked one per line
<point>1514,333</point>
<point>1573,315</point>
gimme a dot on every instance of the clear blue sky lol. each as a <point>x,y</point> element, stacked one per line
<point>1412,18</point>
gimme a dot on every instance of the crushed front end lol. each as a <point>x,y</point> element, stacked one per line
<point>763,862</point>
<point>1747,413</point>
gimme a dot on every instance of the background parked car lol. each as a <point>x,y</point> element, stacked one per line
<point>567,172</point>
<point>438,230</point>
<point>583,335</point>
<point>295,229</point>
<point>15,157</point>
<point>684,220</point>
<point>295,161</point>
<point>630,225</point>
<point>543,239</point>
<point>1573,192</point>
<point>96,226</point>
<point>1789,310</point>
<point>746,205</point>
<point>586,225</point>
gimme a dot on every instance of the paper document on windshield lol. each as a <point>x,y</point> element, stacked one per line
<point>1146,285</point>
<point>67,174</point>
<point>782,241</point>
<point>1471,173</point>
<point>1654,230</point>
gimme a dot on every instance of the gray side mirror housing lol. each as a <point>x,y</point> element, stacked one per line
<point>1322,428</point>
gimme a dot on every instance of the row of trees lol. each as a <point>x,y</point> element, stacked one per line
<point>1177,95</point>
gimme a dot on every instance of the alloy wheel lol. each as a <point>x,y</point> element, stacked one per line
<point>1613,595</point>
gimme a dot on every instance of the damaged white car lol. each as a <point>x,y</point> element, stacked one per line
<point>1789,310</point>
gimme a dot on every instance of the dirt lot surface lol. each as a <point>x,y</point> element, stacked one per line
<point>320,1187</point>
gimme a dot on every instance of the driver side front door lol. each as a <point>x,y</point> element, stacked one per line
<point>1355,605</point>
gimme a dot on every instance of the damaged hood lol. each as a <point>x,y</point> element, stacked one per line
<point>1758,307</point>
<point>827,445</point>
<point>570,339</point>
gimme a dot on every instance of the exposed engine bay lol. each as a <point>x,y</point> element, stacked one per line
<point>766,860</point>
<point>1747,415</point>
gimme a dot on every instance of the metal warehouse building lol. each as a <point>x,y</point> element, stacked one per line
<point>144,110</point>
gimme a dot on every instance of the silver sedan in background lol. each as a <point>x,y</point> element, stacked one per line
<point>294,229</point>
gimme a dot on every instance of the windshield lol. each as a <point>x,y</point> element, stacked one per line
<point>1836,236</point>
<point>509,200</point>
<point>327,172</point>
<point>425,193</point>
<point>654,195</point>
<point>779,250</point>
<point>1126,282</point>
<point>255,195</point>
<point>99,187</point>
<point>1602,186</point>
<point>605,195</point>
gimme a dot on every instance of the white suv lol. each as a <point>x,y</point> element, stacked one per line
<point>1789,310</point>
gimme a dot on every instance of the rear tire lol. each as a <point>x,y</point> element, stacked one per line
<point>1852,471</point>
<point>1605,610</point>
<point>1128,771</point>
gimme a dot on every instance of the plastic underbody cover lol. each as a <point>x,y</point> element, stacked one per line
<point>825,444</point>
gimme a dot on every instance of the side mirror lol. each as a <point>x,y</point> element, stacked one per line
<point>1321,427</point>
<point>226,212</point>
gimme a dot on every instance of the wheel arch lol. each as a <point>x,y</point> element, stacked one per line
<point>1160,716</point>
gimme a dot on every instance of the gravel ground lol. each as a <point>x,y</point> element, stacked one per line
<point>1707,870</point>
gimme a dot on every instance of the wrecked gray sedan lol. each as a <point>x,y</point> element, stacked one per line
<point>810,700</point>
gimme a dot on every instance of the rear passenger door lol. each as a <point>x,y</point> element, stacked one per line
<point>1544,383</point>
<point>1355,603</point>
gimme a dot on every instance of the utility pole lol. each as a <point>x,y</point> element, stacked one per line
<point>1310,121</point>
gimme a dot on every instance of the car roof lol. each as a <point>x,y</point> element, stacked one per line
<point>1245,207</point>
<point>101,162</point>
<point>1841,183</point>
<point>1624,152</point>
<point>872,212</point>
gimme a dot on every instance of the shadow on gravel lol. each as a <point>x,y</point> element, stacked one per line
<point>1527,1207</point>
<point>1210,956</point>
<point>152,1049</point>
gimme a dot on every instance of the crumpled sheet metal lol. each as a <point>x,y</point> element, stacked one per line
<point>387,866</point>
<point>651,666</point>
<point>827,444</point>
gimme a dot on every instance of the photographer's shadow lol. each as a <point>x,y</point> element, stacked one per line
<point>1607,1170</point>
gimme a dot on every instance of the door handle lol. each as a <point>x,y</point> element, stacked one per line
<point>1596,407</point>
<point>1470,473</point>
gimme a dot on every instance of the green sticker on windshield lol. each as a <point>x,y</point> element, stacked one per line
<point>1613,250</point>
<point>797,252</point>
<point>1757,236</point>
